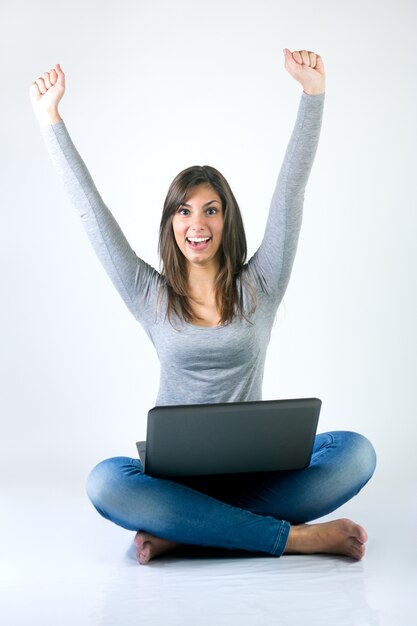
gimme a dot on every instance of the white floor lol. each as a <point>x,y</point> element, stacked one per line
<point>62,564</point>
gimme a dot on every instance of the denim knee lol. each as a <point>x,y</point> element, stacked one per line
<point>102,482</point>
<point>363,461</point>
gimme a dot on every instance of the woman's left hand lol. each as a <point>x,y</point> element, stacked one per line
<point>308,69</point>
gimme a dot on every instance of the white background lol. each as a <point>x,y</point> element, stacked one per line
<point>153,87</point>
<point>156,86</point>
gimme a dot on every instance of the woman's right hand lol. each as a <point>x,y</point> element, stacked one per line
<point>45,94</point>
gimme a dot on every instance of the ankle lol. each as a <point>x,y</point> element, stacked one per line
<point>293,539</point>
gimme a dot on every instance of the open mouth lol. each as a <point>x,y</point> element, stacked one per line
<point>198,243</point>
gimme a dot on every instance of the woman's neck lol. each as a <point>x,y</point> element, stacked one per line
<point>201,282</point>
<point>201,279</point>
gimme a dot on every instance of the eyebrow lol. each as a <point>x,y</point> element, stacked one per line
<point>207,203</point>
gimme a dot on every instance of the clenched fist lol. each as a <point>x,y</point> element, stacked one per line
<point>45,94</point>
<point>308,69</point>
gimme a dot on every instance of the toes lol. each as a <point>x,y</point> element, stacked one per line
<point>143,559</point>
<point>359,533</point>
<point>357,549</point>
<point>359,553</point>
<point>355,530</point>
<point>140,539</point>
<point>143,554</point>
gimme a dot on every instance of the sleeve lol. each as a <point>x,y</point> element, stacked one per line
<point>272,263</point>
<point>134,279</point>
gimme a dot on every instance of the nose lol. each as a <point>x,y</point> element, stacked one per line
<point>197,223</point>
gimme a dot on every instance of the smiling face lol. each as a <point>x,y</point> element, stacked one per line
<point>198,227</point>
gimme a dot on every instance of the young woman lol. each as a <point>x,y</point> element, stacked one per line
<point>209,315</point>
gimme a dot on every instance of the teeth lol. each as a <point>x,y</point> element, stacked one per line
<point>198,239</point>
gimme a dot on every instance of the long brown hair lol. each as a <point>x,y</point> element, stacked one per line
<point>232,252</point>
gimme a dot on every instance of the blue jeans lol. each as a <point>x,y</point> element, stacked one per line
<point>241,511</point>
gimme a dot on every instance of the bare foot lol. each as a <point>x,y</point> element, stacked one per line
<point>340,536</point>
<point>148,546</point>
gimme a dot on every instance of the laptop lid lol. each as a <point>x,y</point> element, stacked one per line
<point>230,437</point>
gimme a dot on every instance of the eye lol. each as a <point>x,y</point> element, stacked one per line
<point>182,211</point>
<point>211,210</point>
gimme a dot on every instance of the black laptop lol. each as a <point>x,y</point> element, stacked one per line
<point>228,438</point>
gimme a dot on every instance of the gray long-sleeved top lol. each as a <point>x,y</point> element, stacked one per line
<point>201,364</point>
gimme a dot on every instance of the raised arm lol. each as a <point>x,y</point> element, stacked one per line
<point>273,261</point>
<point>131,276</point>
